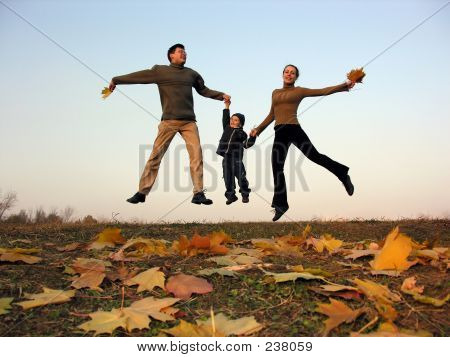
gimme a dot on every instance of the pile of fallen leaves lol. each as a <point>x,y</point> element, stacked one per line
<point>392,257</point>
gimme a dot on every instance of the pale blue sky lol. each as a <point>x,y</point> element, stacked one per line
<point>60,144</point>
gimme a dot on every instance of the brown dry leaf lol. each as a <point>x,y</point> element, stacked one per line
<point>246,251</point>
<point>337,313</point>
<point>92,273</point>
<point>49,296</point>
<point>106,92</point>
<point>386,310</point>
<point>136,316</point>
<point>19,254</point>
<point>376,292</point>
<point>356,75</point>
<point>5,305</point>
<point>344,291</point>
<point>392,256</point>
<point>122,273</point>
<point>148,280</point>
<point>183,286</point>
<point>108,238</point>
<point>140,248</point>
<point>69,247</point>
<point>388,329</point>
<point>426,253</point>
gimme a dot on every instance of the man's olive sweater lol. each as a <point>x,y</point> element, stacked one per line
<point>175,88</point>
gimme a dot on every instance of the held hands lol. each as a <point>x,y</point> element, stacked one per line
<point>253,132</point>
<point>112,86</point>
<point>227,104</point>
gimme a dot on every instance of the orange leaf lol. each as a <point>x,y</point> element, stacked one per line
<point>183,286</point>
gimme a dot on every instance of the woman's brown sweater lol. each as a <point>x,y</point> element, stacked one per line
<point>285,102</point>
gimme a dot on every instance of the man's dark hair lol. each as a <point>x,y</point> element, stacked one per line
<point>172,49</point>
<point>296,69</point>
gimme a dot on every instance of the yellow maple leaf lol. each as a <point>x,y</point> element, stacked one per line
<point>186,329</point>
<point>106,92</point>
<point>337,313</point>
<point>108,238</point>
<point>139,248</point>
<point>19,254</point>
<point>392,256</point>
<point>104,321</point>
<point>240,327</point>
<point>5,305</point>
<point>147,280</point>
<point>136,316</point>
<point>49,296</point>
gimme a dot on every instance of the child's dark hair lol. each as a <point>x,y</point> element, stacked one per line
<point>241,118</point>
<point>172,49</point>
<point>296,69</point>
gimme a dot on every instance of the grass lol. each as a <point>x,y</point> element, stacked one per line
<point>285,309</point>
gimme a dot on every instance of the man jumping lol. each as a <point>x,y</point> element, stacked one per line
<point>175,83</point>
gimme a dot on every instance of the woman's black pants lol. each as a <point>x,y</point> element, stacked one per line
<point>285,135</point>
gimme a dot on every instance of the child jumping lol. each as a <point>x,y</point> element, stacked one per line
<point>231,147</point>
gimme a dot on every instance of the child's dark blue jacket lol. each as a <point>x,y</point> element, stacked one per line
<point>233,140</point>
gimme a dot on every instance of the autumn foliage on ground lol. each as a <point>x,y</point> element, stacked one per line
<point>361,278</point>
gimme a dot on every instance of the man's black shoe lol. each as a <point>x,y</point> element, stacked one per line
<point>231,199</point>
<point>347,182</point>
<point>199,198</point>
<point>245,198</point>
<point>278,214</point>
<point>138,197</point>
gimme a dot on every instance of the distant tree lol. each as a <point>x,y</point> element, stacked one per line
<point>7,202</point>
<point>19,218</point>
<point>67,213</point>
<point>40,216</point>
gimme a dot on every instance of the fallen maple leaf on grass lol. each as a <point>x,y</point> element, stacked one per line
<point>183,286</point>
<point>343,291</point>
<point>108,238</point>
<point>19,254</point>
<point>327,241</point>
<point>49,296</point>
<point>212,243</point>
<point>338,313</point>
<point>5,305</point>
<point>136,316</point>
<point>147,280</point>
<point>392,256</point>
<point>376,292</point>
<point>92,273</point>
<point>69,247</point>
<point>216,326</point>
<point>139,248</point>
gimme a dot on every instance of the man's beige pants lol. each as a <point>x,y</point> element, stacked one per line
<point>167,129</point>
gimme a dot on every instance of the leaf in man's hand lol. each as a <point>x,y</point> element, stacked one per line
<point>106,92</point>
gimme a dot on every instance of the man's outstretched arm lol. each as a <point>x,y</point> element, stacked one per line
<point>204,91</point>
<point>141,77</point>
